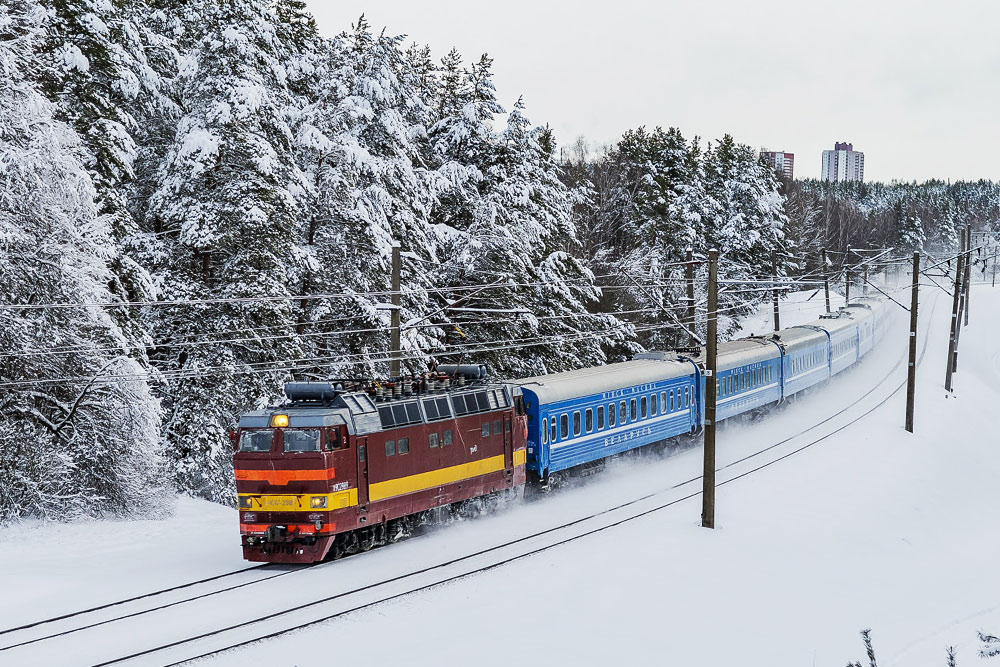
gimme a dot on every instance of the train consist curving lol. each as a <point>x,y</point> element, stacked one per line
<point>343,466</point>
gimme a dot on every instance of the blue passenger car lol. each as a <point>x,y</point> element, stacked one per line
<point>590,414</point>
<point>805,357</point>
<point>749,374</point>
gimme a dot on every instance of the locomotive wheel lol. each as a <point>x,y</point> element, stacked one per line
<point>366,539</point>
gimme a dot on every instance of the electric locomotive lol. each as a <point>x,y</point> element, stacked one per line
<point>341,467</point>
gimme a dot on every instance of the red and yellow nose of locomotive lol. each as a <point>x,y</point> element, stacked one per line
<point>296,480</point>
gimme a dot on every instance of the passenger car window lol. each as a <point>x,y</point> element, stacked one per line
<point>545,431</point>
<point>563,426</point>
<point>611,414</point>
<point>622,413</point>
<point>589,416</point>
<point>576,423</point>
<point>256,441</point>
<point>301,441</point>
<point>643,405</point>
<point>553,429</point>
<point>652,405</point>
<point>600,417</point>
<point>631,410</point>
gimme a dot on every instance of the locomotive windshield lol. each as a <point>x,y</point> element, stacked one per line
<point>301,441</point>
<point>256,441</point>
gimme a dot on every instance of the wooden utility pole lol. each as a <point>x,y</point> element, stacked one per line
<point>968,273</point>
<point>689,275</point>
<point>397,302</point>
<point>774,291</point>
<point>956,299</point>
<point>826,282</point>
<point>708,474</point>
<point>911,373</point>
<point>964,293</point>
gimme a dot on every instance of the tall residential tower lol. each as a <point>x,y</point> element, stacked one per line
<point>781,162</point>
<point>843,163</point>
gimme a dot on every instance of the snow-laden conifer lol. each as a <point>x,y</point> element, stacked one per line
<point>75,442</point>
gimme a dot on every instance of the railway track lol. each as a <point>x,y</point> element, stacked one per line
<point>185,617</point>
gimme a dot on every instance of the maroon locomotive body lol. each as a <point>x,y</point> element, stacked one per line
<point>339,469</point>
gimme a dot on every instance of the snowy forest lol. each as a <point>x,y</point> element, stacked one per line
<point>198,201</point>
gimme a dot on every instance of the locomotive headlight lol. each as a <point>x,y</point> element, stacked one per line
<point>279,421</point>
<point>318,502</point>
<point>246,502</point>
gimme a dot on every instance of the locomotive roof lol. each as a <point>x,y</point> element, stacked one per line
<point>556,387</point>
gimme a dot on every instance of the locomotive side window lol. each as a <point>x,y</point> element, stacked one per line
<point>432,439</point>
<point>301,441</point>
<point>506,424</point>
<point>563,426</point>
<point>483,400</point>
<point>600,417</point>
<point>390,447</point>
<point>447,438</point>
<point>576,423</point>
<point>256,441</point>
<point>404,445</point>
<point>485,430</point>
<point>496,427</point>
<point>589,420</point>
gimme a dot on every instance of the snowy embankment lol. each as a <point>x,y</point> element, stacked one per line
<point>869,527</point>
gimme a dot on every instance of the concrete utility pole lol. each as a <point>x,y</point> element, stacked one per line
<point>394,354</point>
<point>826,282</point>
<point>708,474</point>
<point>956,299</point>
<point>864,281</point>
<point>689,275</point>
<point>911,373</point>
<point>774,291</point>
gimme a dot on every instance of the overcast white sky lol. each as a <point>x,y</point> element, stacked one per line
<point>913,84</point>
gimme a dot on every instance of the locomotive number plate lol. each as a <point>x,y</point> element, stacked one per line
<point>279,503</point>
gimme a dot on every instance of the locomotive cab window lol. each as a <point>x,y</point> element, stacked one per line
<point>301,441</point>
<point>333,440</point>
<point>256,441</point>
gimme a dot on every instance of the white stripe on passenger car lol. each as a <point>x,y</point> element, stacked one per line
<point>619,429</point>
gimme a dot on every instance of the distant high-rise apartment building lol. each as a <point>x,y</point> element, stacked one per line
<point>781,162</point>
<point>843,163</point>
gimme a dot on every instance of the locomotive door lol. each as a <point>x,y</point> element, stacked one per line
<point>508,442</point>
<point>363,455</point>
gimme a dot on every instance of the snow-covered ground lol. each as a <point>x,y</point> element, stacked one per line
<point>869,527</point>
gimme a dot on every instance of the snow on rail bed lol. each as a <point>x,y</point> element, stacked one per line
<point>871,527</point>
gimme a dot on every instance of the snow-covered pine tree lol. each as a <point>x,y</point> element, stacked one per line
<point>105,86</point>
<point>506,222</point>
<point>749,223</point>
<point>75,443</point>
<point>367,188</point>
<point>228,229</point>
